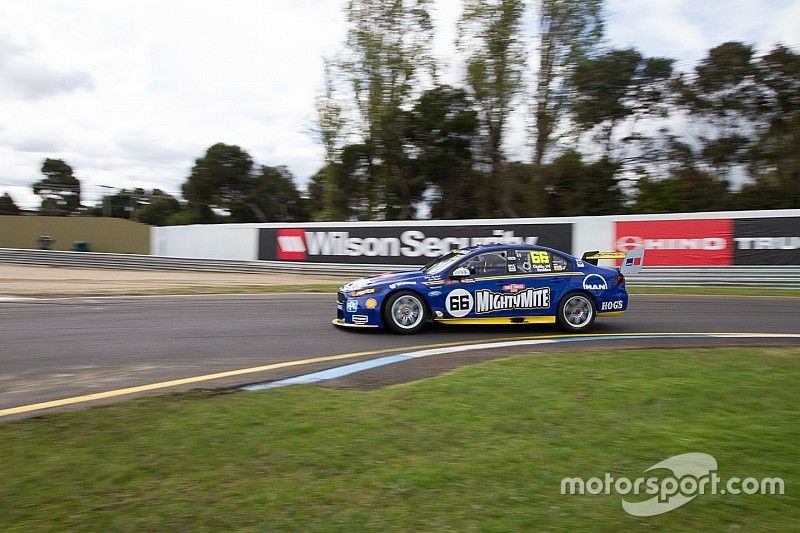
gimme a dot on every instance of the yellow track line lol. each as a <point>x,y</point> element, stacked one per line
<point>300,362</point>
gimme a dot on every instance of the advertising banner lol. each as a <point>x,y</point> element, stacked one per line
<point>400,244</point>
<point>767,241</point>
<point>689,242</point>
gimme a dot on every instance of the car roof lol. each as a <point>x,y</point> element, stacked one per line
<point>520,246</point>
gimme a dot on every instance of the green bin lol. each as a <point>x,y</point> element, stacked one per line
<point>80,246</point>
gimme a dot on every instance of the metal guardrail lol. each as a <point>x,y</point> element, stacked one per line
<point>755,276</point>
<point>154,262</point>
<point>733,276</point>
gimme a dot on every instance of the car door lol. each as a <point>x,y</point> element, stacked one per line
<point>480,295</point>
<point>542,279</point>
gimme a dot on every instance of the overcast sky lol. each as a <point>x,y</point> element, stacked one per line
<point>130,92</point>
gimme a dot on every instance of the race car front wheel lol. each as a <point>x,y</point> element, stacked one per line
<point>576,313</point>
<point>405,312</point>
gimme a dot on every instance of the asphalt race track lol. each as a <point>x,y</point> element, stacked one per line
<point>61,348</point>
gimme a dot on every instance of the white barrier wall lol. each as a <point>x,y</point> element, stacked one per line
<point>206,241</point>
<point>679,239</point>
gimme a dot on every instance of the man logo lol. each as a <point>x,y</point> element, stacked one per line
<point>594,282</point>
<point>291,245</point>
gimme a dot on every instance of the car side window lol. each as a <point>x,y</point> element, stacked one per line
<point>486,264</point>
<point>533,261</point>
<point>560,264</point>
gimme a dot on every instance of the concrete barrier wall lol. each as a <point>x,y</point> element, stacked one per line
<point>112,235</point>
<point>679,239</point>
<point>206,241</point>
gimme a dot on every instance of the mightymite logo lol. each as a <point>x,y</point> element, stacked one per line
<point>291,245</point>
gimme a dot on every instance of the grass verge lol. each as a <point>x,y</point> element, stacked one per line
<point>482,448</point>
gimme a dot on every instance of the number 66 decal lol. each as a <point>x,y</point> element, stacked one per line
<point>540,257</point>
<point>459,303</point>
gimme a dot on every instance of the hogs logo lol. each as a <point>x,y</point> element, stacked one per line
<point>290,245</point>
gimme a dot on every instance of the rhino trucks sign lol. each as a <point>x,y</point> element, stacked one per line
<point>399,245</point>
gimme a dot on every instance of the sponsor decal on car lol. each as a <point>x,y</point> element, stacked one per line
<point>362,292</point>
<point>459,303</point>
<point>352,306</point>
<point>371,303</point>
<point>616,305</point>
<point>402,284</point>
<point>513,287</point>
<point>487,301</point>
<point>594,282</point>
<point>434,293</point>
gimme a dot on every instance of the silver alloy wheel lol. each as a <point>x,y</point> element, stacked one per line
<point>577,311</point>
<point>407,312</point>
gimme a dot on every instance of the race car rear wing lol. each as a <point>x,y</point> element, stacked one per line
<point>632,260</point>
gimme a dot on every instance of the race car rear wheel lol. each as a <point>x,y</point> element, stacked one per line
<point>576,313</point>
<point>405,312</point>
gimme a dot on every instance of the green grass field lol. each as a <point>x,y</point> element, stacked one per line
<point>483,448</point>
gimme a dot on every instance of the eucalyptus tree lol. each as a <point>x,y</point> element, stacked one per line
<point>385,59</point>
<point>490,34</point>
<point>569,30</point>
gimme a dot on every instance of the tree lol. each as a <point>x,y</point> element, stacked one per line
<point>272,198</point>
<point>618,85</point>
<point>774,157</point>
<point>60,190</point>
<point>330,123</point>
<point>442,129</point>
<point>223,176</point>
<point>725,102</point>
<point>224,179</point>
<point>318,205</point>
<point>386,54</point>
<point>127,203</point>
<point>687,191</point>
<point>159,210</point>
<point>490,34</point>
<point>569,30</point>
<point>7,205</point>
<point>573,187</point>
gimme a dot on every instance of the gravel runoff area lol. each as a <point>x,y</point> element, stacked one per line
<point>19,280</point>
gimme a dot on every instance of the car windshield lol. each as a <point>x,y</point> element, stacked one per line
<point>439,265</point>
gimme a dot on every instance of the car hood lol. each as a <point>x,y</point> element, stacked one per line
<point>390,279</point>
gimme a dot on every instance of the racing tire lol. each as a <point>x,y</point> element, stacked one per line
<point>405,312</point>
<point>576,313</point>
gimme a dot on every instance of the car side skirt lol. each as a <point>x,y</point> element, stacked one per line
<point>610,314</point>
<point>501,320</point>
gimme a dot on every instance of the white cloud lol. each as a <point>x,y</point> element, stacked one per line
<point>22,76</point>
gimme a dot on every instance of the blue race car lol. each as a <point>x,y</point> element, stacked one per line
<point>492,284</point>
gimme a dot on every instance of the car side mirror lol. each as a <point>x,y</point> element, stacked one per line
<point>460,272</point>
